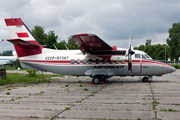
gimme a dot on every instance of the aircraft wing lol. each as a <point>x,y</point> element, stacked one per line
<point>91,42</point>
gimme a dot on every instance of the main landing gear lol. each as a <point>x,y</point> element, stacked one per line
<point>98,80</point>
<point>147,79</point>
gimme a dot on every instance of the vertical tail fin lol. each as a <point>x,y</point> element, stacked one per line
<point>24,42</point>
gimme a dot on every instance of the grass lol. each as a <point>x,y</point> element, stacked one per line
<point>170,110</point>
<point>155,103</point>
<point>66,85</point>
<point>176,66</point>
<point>67,108</point>
<point>8,93</point>
<point>85,89</point>
<point>13,68</point>
<point>128,109</point>
<point>12,78</point>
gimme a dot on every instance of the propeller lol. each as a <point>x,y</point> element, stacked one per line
<point>130,53</point>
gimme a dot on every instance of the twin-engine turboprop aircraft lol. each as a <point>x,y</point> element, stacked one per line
<point>95,58</point>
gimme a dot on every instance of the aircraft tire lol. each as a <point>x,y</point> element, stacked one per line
<point>96,80</point>
<point>145,79</point>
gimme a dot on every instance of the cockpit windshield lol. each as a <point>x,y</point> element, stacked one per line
<point>147,56</point>
<point>142,56</point>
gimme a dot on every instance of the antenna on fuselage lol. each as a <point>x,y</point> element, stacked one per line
<point>66,47</point>
<point>55,46</point>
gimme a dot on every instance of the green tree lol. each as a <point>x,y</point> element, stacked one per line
<point>72,45</point>
<point>174,41</point>
<point>39,34</point>
<point>157,52</point>
<point>141,47</point>
<point>7,53</point>
<point>51,39</point>
<point>61,45</point>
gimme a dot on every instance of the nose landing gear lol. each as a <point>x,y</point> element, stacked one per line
<point>147,79</point>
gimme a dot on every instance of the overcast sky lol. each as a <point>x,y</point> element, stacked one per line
<point>112,20</point>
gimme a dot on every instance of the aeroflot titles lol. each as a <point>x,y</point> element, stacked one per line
<point>109,67</point>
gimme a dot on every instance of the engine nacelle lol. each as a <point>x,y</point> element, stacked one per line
<point>118,58</point>
<point>13,59</point>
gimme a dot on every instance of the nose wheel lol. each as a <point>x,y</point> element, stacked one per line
<point>147,79</point>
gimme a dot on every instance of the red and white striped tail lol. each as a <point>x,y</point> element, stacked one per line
<point>22,38</point>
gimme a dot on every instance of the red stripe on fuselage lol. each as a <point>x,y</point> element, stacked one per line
<point>143,62</point>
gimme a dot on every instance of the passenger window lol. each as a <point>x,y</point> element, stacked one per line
<point>78,61</point>
<point>84,61</point>
<point>143,57</point>
<point>72,61</point>
<point>97,61</point>
<point>117,62</point>
<point>103,61</point>
<point>90,61</point>
<point>137,55</point>
<point>110,62</point>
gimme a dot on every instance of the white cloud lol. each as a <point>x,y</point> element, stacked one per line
<point>112,20</point>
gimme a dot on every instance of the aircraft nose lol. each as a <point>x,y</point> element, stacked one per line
<point>172,69</point>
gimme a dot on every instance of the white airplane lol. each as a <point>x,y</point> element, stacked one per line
<point>8,60</point>
<point>95,58</point>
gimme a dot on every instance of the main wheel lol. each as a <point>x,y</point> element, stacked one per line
<point>145,79</point>
<point>96,80</point>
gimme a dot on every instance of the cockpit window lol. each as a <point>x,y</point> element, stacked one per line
<point>143,57</point>
<point>137,55</point>
<point>147,56</point>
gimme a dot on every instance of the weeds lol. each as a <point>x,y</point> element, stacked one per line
<point>8,93</point>
<point>12,78</point>
<point>128,109</point>
<point>169,110</point>
<point>9,89</point>
<point>85,89</point>
<point>67,108</point>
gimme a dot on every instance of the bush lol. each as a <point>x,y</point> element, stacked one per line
<point>2,82</point>
<point>32,73</point>
<point>176,66</point>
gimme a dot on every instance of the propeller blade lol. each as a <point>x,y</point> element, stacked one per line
<point>129,62</point>
<point>130,53</point>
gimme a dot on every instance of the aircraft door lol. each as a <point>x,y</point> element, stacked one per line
<point>136,65</point>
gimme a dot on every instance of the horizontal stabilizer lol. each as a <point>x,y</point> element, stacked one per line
<point>23,44</point>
